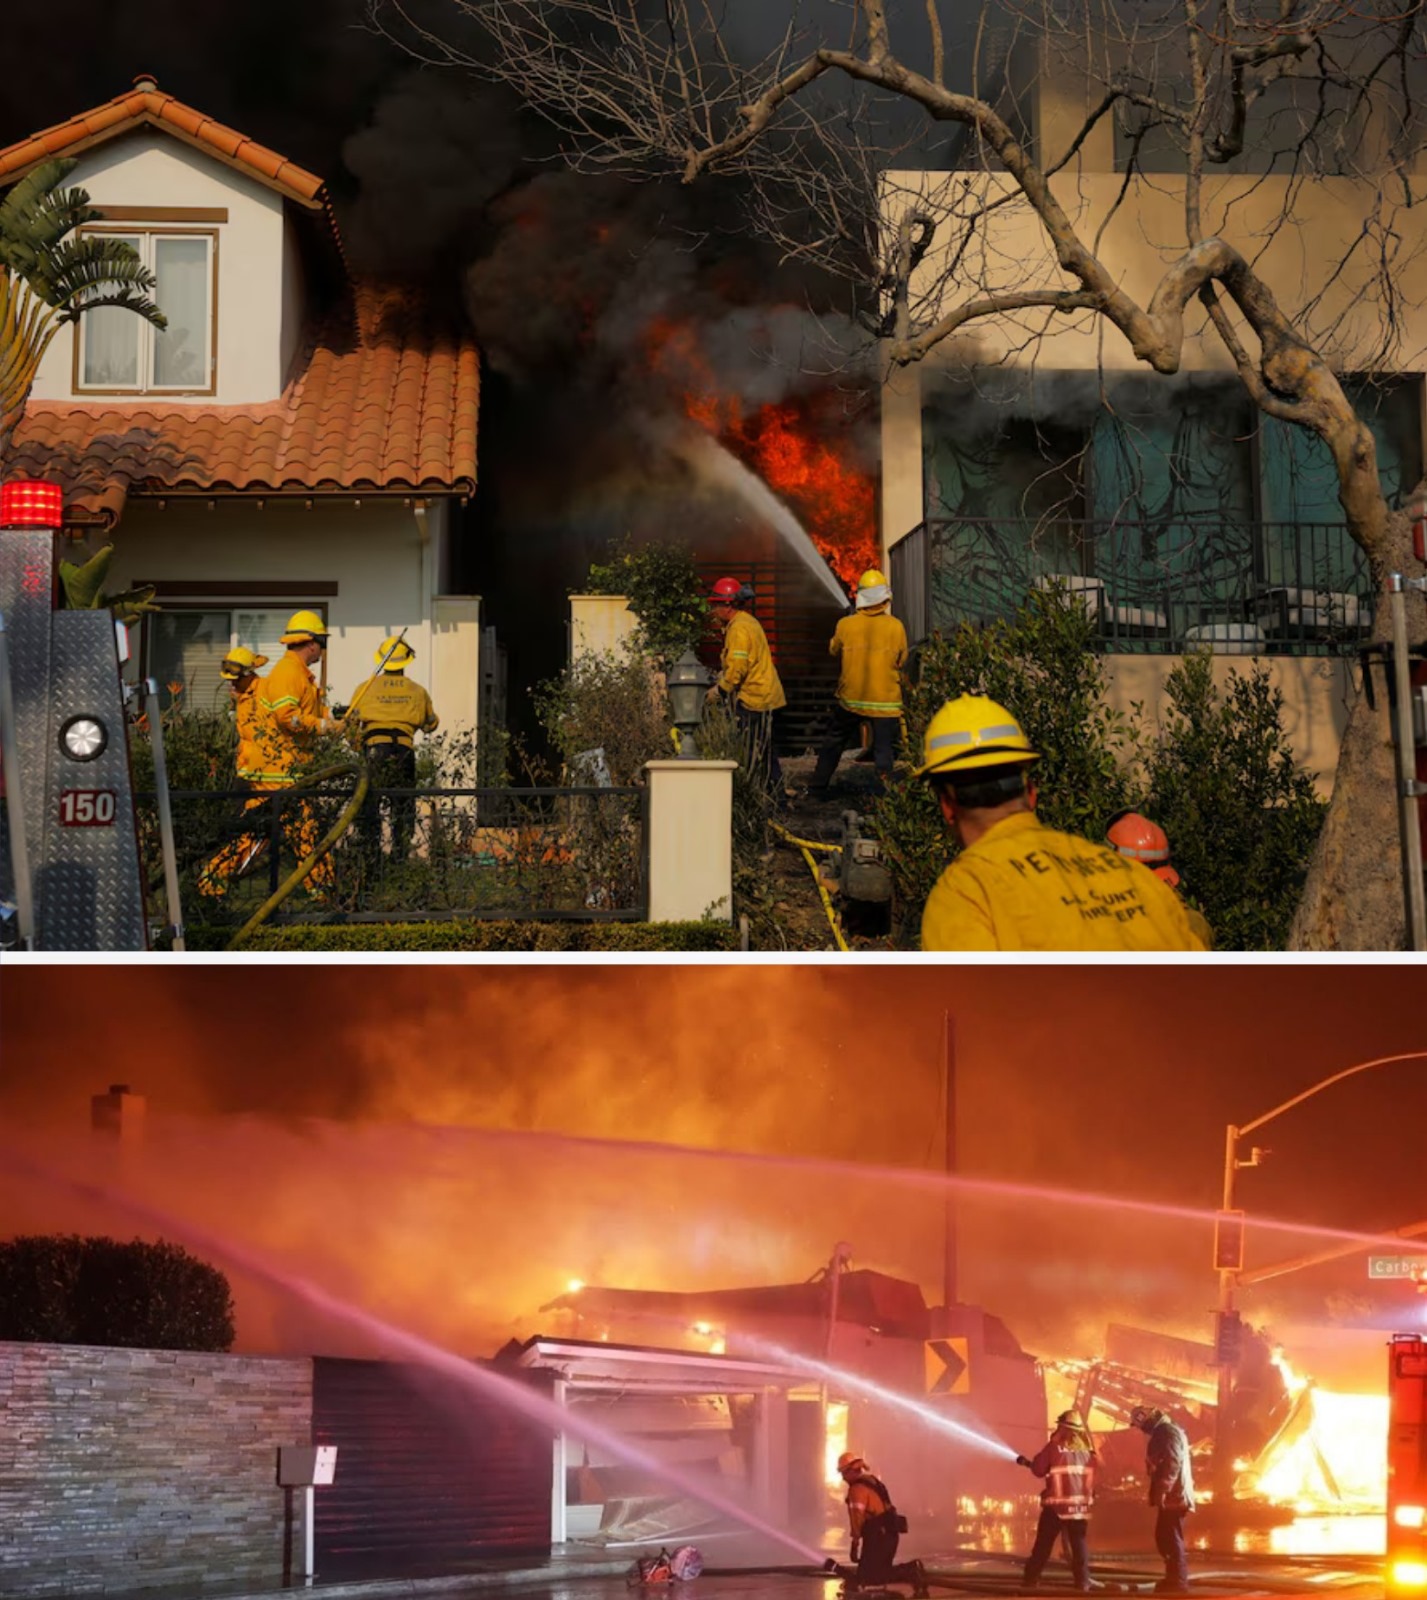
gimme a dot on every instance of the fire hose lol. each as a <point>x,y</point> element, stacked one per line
<point>807,846</point>
<point>334,833</point>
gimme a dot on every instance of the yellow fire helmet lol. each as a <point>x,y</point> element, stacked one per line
<point>302,626</point>
<point>873,589</point>
<point>393,654</point>
<point>239,661</point>
<point>972,732</point>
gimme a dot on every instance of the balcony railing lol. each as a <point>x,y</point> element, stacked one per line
<point>1165,586</point>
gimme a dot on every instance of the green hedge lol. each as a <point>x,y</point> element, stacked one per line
<point>70,1289</point>
<point>473,935</point>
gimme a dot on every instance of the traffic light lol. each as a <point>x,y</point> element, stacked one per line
<point>1229,1241</point>
<point>1228,1338</point>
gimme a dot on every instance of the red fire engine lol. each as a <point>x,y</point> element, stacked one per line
<point>1407,1465</point>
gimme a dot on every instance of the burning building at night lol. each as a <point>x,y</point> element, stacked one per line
<point>939,1399</point>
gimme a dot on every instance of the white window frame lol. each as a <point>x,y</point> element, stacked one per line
<point>146,333</point>
<point>232,607</point>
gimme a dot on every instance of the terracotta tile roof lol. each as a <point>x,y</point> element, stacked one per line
<point>387,404</point>
<point>145,104</point>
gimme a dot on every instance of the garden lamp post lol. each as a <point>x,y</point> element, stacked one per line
<point>689,683</point>
<point>1229,1263</point>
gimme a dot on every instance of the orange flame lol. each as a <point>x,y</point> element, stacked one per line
<point>800,459</point>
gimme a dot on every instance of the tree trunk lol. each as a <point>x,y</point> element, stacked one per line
<point>1353,898</point>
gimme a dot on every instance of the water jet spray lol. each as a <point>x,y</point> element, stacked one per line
<point>717,465</point>
<point>845,1379</point>
<point>413,1347</point>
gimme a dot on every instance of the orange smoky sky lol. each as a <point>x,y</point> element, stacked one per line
<point>447,1146</point>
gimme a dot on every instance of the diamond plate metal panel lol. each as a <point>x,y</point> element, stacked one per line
<point>87,890</point>
<point>26,585</point>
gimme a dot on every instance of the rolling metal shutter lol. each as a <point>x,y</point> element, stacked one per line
<point>432,1476</point>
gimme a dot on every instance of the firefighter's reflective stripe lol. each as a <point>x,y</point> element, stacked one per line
<point>293,705</point>
<point>392,709</point>
<point>1067,1487</point>
<point>872,650</point>
<point>747,665</point>
<point>1023,886</point>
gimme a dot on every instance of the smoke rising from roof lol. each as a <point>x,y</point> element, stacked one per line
<point>345,1135</point>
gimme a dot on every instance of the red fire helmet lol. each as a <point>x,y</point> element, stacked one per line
<point>725,591</point>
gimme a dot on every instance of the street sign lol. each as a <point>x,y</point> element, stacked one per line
<point>948,1366</point>
<point>1397,1266</point>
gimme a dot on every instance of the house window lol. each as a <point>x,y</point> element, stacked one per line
<point>119,352</point>
<point>186,646</point>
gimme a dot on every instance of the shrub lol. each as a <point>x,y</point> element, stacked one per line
<point>1040,666</point>
<point>68,1289</point>
<point>1241,819</point>
<point>754,896</point>
<point>608,702</point>
<point>473,935</point>
<point>664,591</point>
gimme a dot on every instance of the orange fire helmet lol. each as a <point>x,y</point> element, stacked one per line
<point>1138,838</point>
<point>848,1460</point>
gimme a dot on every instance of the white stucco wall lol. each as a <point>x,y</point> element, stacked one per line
<point>386,579</point>
<point>150,169</point>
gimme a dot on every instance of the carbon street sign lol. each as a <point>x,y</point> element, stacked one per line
<point>948,1366</point>
<point>1397,1266</point>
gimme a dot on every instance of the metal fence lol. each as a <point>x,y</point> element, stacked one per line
<point>1166,586</point>
<point>412,854</point>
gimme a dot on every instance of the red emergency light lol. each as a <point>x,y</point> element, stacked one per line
<point>29,503</point>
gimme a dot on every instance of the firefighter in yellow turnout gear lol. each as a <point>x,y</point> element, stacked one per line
<point>293,716</point>
<point>871,646</point>
<point>748,677</point>
<point>389,710</point>
<point>239,669</point>
<point>1018,885</point>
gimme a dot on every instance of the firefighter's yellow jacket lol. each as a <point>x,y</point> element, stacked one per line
<point>250,716</point>
<point>293,715</point>
<point>391,708</point>
<point>872,651</point>
<point>1023,886</point>
<point>747,666</point>
<point>1200,924</point>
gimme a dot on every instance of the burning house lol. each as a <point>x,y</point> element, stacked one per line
<point>939,1397</point>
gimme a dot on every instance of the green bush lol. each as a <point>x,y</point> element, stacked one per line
<point>610,703</point>
<point>754,891</point>
<point>1241,819</point>
<point>664,591</point>
<point>1040,666</point>
<point>474,935</point>
<point>68,1289</point>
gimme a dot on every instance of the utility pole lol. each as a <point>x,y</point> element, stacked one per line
<point>948,1081</point>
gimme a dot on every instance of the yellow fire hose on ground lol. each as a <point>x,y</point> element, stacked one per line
<point>807,846</point>
<point>334,833</point>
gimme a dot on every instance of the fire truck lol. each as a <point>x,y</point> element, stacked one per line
<point>69,856</point>
<point>1406,1572</point>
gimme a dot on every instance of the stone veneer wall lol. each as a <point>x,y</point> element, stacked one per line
<point>129,1469</point>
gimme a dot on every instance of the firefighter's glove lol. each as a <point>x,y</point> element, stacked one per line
<point>1023,1461</point>
<point>712,695</point>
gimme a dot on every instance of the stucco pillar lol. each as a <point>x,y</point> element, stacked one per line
<point>599,624</point>
<point>902,490</point>
<point>690,840</point>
